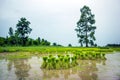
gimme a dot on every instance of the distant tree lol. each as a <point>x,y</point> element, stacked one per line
<point>47,43</point>
<point>39,40</point>
<point>95,45</point>
<point>11,39</point>
<point>23,30</point>
<point>54,44</point>
<point>113,45</point>
<point>6,41</point>
<point>42,42</point>
<point>17,39</point>
<point>69,45</point>
<point>10,31</point>
<point>31,42</point>
<point>59,45</point>
<point>35,42</point>
<point>2,40</point>
<point>85,27</point>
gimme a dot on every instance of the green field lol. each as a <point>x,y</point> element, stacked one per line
<point>56,58</point>
<point>45,49</point>
<point>26,52</point>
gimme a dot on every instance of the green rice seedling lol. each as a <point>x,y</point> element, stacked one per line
<point>68,59</point>
<point>49,64</point>
<point>72,58</point>
<point>68,55</point>
<point>72,63</point>
<point>53,61</point>
<point>97,55</point>
<point>61,61</point>
<point>93,56</point>
<point>44,64</point>
<point>65,63</point>
<point>103,56</point>
<point>86,55</point>
<point>45,59</point>
<point>78,55</point>
<point>65,59</point>
<point>82,56</point>
<point>75,59</point>
<point>68,62</point>
<point>50,56</point>
<point>57,65</point>
<point>58,55</point>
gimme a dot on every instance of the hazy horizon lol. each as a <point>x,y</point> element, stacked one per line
<point>55,20</point>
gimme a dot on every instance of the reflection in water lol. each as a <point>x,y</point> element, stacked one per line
<point>10,63</point>
<point>29,69</point>
<point>21,68</point>
<point>86,71</point>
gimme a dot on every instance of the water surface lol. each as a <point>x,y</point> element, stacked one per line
<point>29,69</point>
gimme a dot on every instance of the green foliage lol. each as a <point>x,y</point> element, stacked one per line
<point>69,45</point>
<point>20,36</point>
<point>10,31</point>
<point>60,62</point>
<point>2,41</point>
<point>53,50</point>
<point>39,40</point>
<point>23,30</point>
<point>54,44</point>
<point>85,27</point>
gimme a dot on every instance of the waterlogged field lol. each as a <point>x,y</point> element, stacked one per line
<point>59,63</point>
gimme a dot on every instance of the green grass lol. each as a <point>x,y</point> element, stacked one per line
<point>60,61</point>
<point>45,49</point>
<point>26,52</point>
<point>116,49</point>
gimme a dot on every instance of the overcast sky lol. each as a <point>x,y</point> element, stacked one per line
<point>55,20</point>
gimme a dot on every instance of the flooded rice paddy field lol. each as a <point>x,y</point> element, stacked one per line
<point>29,69</point>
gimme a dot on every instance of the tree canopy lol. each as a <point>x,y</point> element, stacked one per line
<point>85,27</point>
<point>23,29</point>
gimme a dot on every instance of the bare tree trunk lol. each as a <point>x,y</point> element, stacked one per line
<point>86,38</point>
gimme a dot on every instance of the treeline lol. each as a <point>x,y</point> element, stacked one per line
<point>16,41</point>
<point>20,37</point>
<point>13,41</point>
<point>113,45</point>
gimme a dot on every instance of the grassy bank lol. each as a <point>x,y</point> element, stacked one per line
<point>45,49</point>
<point>26,52</point>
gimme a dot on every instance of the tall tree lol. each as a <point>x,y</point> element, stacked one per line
<point>11,39</point>
<point>85,27</point>
<point>2,41</point>
<point>23,30</point>
<point>10,31</point>
<point>39,40</point>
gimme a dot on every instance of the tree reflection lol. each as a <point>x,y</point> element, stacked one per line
<point>86,70</point>
<point>21,68</point>
<point>48,74</point>
<point>9,65</point>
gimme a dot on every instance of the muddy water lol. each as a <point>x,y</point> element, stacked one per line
<point>29,69</point>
